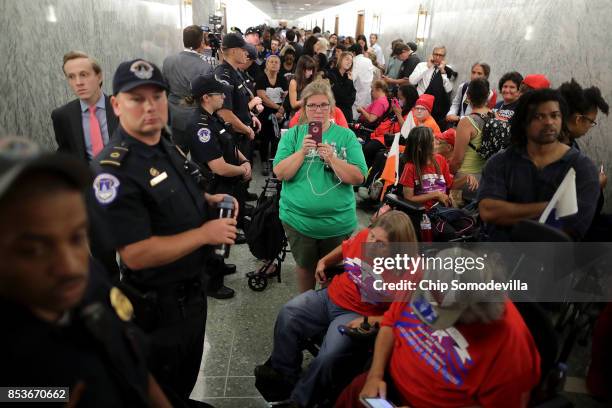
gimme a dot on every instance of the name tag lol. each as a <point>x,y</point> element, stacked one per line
<point>158,179</point>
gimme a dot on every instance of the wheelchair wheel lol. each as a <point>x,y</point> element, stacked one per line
<point>257,283</point>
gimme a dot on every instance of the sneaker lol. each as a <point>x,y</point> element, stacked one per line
<point>222,293</point>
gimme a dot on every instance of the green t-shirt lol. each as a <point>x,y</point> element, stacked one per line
<point>313,202</point>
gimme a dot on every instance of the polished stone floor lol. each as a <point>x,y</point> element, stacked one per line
<point>239,335</point>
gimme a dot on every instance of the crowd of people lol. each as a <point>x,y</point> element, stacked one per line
<point>110,287</point>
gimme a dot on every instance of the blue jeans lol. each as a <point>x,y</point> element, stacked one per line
<point>302,317</point>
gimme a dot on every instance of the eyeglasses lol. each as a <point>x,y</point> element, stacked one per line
<point>591,121</point>
<point>319,106</point>
<point>439,55</point>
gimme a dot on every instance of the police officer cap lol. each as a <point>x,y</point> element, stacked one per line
<point>251,51</point>
<point>204,85</point>
<point>233,40</point>
<point>253,30</point>
<point>19,155</point>
<point>135,73</point>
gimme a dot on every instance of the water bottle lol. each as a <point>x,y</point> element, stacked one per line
<point>226,210</point>
<point>426,233</point>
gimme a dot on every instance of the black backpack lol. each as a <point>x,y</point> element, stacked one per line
<point>265,234</point>
<point>495,136</point>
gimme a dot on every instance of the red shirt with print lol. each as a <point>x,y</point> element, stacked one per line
<point>488,365</point>
<point>431,181</point>
<point>345,290</point>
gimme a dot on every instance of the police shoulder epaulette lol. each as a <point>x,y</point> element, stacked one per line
<point>114,156</point>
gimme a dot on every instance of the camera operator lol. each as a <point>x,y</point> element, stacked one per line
<point>159,221</point>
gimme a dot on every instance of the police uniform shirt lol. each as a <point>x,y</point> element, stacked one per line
<point>203,130</point>
<point>39,353</point>
<point>144,191</point>
<point>236,94</point>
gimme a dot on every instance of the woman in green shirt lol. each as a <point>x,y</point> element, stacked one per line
<point>317,205</point>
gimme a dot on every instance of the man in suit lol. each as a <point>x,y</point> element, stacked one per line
<point>83,126</point>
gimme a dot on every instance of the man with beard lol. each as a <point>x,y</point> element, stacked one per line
<point>518,183</point>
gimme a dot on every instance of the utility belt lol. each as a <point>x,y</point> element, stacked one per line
<point>156,307</point>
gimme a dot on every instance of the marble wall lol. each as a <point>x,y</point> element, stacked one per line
<point>559,38</point>
<point>35,36</point>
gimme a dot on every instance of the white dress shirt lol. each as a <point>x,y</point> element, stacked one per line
<point>421,77</point>
<point>363,74</point>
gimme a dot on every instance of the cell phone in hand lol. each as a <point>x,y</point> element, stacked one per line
<point>395,102</point>
<point>376,403</point>
<point>315,130</point>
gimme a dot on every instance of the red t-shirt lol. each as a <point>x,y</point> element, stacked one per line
<point>346,289</point>
<point>488,365</point>
<point>338,118</point>
<point>430,180</point>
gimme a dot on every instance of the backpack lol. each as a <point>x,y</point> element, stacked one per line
<point>450,223</point>
<point>265,234</point>
<point>495,136</point>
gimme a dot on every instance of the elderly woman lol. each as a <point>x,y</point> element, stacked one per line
<point>317,205</point>
<point>452,348</point>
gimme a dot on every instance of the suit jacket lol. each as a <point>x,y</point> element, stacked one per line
<point>68,127</point>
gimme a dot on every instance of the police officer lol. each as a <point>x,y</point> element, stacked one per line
<point>236,110</point>
<point>68,327</point>
<point>215,147</point>
<point>158,219</point>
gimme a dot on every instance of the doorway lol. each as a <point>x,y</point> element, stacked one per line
<point>360,23</point>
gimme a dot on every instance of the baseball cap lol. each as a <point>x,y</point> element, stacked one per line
<point>204,85</point>
<point>441,310</point>
<point>19,155</point>
<point>251,51</point>
<point>135,73</point>
<point>233,40</point>
<point>412,46</point>
<point>252,30</point>
<point>536,81</point>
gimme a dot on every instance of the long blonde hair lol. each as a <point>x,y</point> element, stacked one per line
<point>397,225</point>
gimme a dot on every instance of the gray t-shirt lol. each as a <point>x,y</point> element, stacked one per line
<point>179,70</point>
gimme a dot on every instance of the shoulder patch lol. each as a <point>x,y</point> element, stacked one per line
<point>105,186</point>
<point>204,135</point>
<point>114,156</point>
